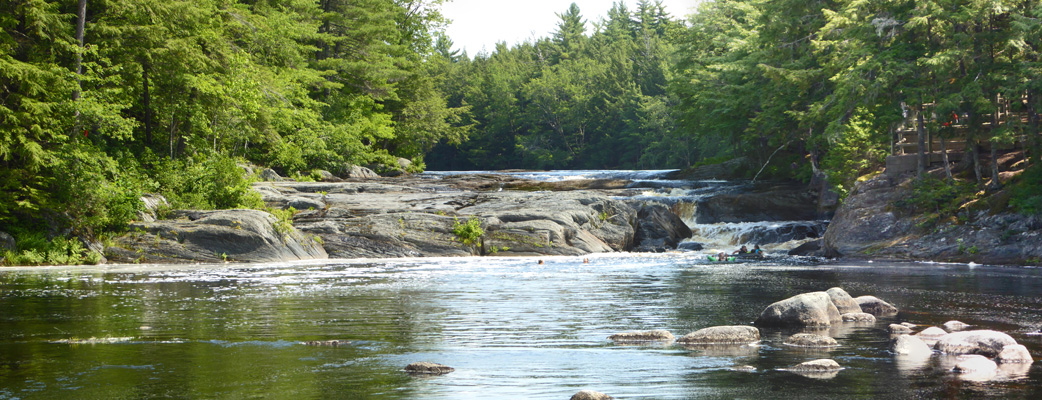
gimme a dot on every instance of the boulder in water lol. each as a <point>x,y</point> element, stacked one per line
<point>1014,354</point>
<point>909,345</point>
<point>953,326</point>
<point>722,335</point>
<point>844,303</point>
<point>975,363</point>
<point>690,246</point>
<point>858,317</point>
<point>875,306</point>
<point>811,340</point>
<point>590,395</point>
<point>987,343</point>
<point>811,248</point>
<point>898,329</point>
<point>642,336</point>
<point>932,332</point>
<point>428,368</point>
<point>806,310</point>
<point>822,365</point>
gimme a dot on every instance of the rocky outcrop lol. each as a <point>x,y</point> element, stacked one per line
<point>844,303</point>
<point>428,368</point>
<point>214,236</point>
<point>642,336</point>
<point>869,224</point>
<point>875,306</point>
<point>987,343</point>
<point>810,340</point>
<point>722,335</point>
<point>762,203</point>
<point>413,217</point>
<point>7,242</point>
<point>805,310</point>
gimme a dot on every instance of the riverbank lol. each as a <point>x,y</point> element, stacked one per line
<point>877,222</point>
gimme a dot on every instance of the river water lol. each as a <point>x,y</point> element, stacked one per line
<point>512,328</point>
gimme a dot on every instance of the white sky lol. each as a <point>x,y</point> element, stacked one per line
<point>478,24</point>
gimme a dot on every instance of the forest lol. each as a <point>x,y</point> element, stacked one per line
<point>102,101</point>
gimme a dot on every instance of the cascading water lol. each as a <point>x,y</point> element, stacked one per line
<point>683,197</point>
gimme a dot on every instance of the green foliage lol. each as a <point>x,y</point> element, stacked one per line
<point>35,249</point>
<point>216,182</point>
<point>855,152</point>
<point>935,199</point>
<point>283,219</point>
<point>1027,192</point>
<point>468,232</point>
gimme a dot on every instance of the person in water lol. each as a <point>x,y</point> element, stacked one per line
<point>743,250</point>
<point>757,251</point>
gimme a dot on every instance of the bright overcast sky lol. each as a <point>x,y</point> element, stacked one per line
<point>478,24</point>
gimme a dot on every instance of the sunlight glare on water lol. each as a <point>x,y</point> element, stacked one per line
<point>511,328</point>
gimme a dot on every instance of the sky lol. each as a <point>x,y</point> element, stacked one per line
<point>478,24</point>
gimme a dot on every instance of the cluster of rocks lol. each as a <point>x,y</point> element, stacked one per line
<point>407,216</point>
<point>974,354</point>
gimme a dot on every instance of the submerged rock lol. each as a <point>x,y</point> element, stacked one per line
<point>326,343</point>
<point>875,306</point>
<point>983,342</point>
<point>722,335</point>
<point>807,310</point>
<point>428,368</point>
<point>642,336</point>
<point>811,340</point>
<point>590,395</point>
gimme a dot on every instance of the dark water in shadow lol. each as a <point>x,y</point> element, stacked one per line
<point>511,328</point>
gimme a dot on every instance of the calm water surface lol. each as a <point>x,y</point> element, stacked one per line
<point>513,329</point>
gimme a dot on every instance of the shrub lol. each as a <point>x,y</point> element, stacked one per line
<point>1027,192</point>
<point>468,232</point>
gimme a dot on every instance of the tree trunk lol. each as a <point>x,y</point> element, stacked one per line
<point>1033,122</point>
<point>147,100</point>
<point>944,159</point>
<point>81,22</point>
<point>920,130</point>
<point>976,161</point>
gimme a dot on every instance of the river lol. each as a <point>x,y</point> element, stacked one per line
<point>511,327</point>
